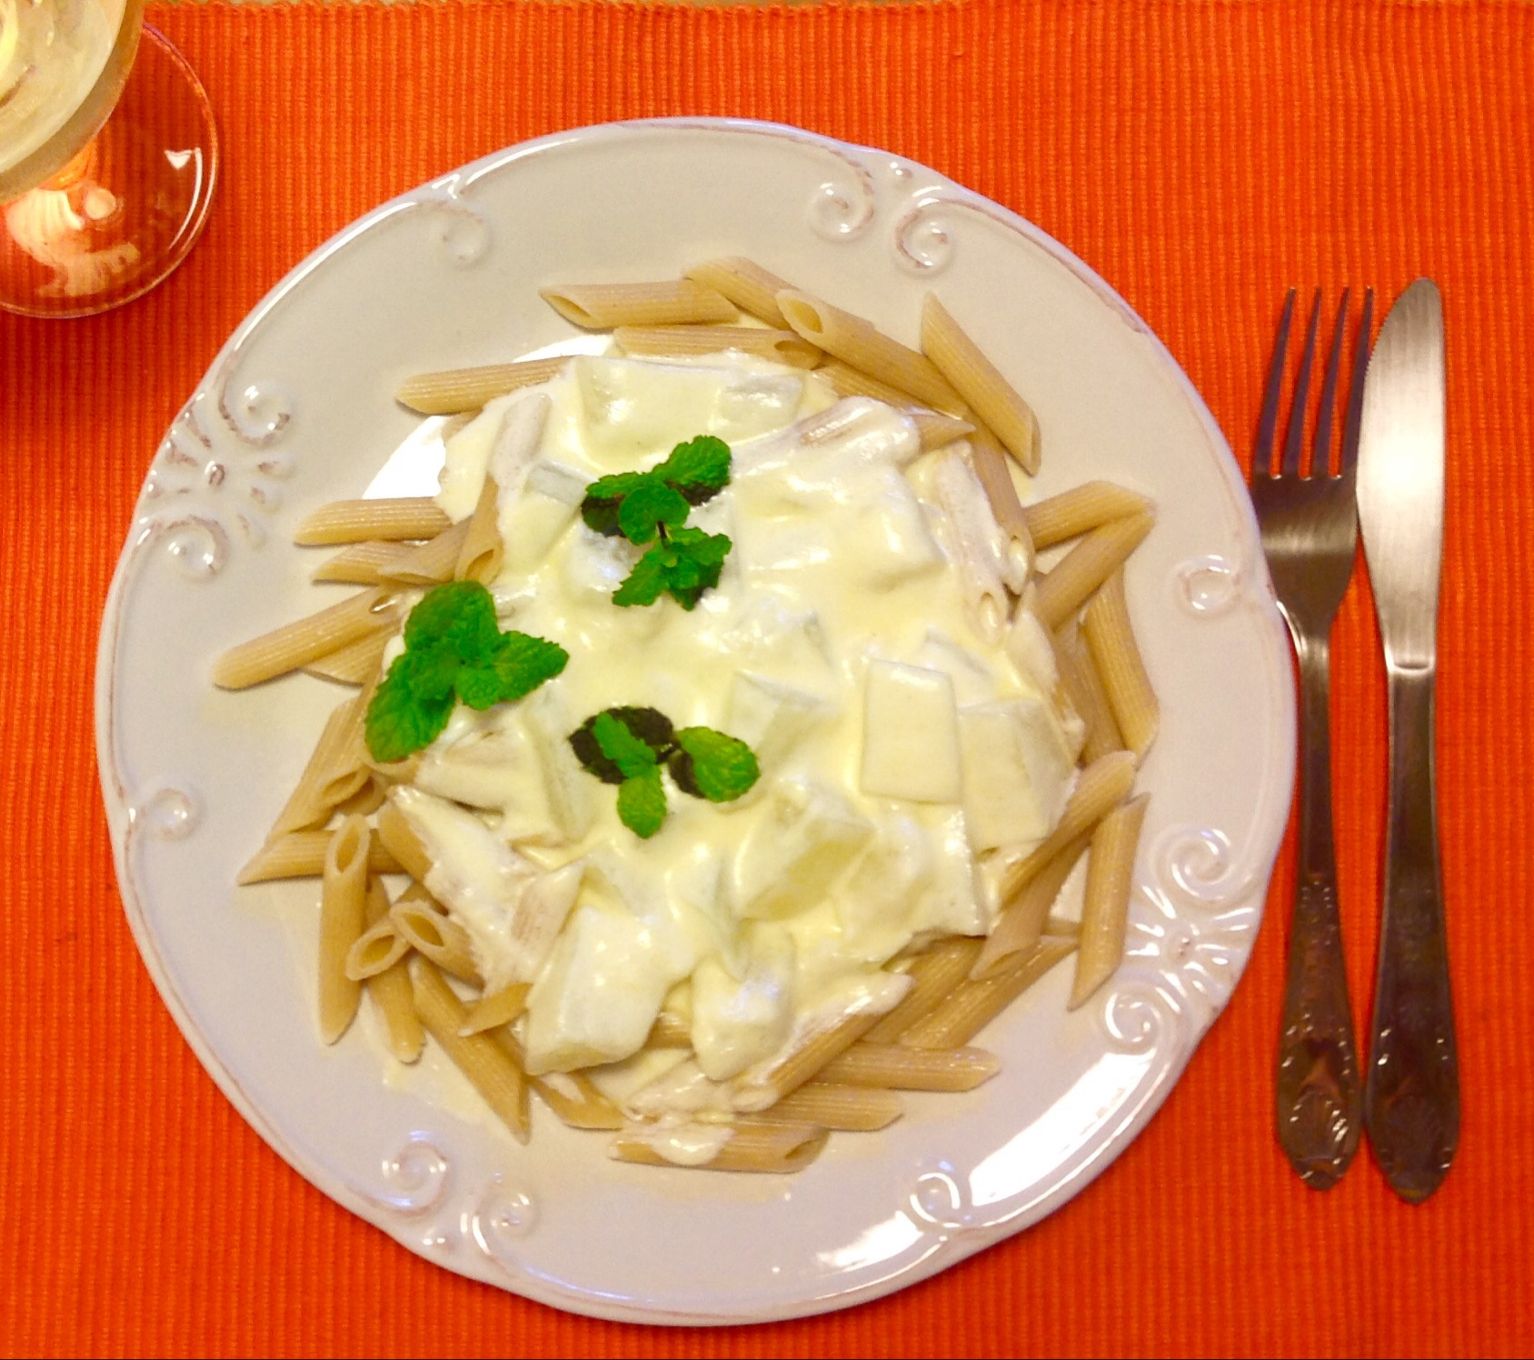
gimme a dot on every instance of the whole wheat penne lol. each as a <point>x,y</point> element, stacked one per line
<point>781,346</point>
<point>1021,922</point>
<point>857,343</point>
<point>358,521</point>
<point>756,1090</point>
<point>379,947</point>
<point>977,545</point>
<point>434,935</point>
<point>296,644</point>
<point>980,383</point>
<point>429,563</point>
<point>937,431</point>
<point>332,774</point>
<point>934,974</point>
<point>1110,639</point>
<point>575,1098</point>
<point>975,1004</point>
<point>1105,908</point>
<point>910,1069</point>
<point>846,381</point>
<point>301,854</point>
<point>389,988</point>
<point>465,389</point>
<point>1084,687</point>
<point>990,464</point>
<point>497,1008</point>
<point>395,831</point>
<point>750,287</point>
<point>343,910</point>
<point>853,1109</point>
<point>359,564</point>
<point>669,1031</point>
<point>357,663</point>
<point>1086,566</point>
<point>1062,928</point>
<point>764,1147</point>
<point>1101,787</point>
<point>479,556</point>
<point>606,306</point>
<point>489,1065</point>
<point>1080,510</point>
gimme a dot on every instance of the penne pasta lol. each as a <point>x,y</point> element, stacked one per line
<point>496,1008</point>
<point>934,974</point>
<point>846,381</point>
<point>1023,920</point>
<point>333,773</point>
<point>974,1005</point>
<point>781,346</point>
<point>1127,688</point>
<point>1088,565</point>
<point>761,1147</point>
<point>479,556</point>
<point>976,544</point>
<point>386,519</point>
<point>378,948</point>
<point>301,854</point>
<point>296,644</point>
<point>1084,687</point>
<point>1105,908</point>
<point>368,798</point>
<point>750,287</point>
<point>1101,787</point>
<point>606,306</point>
<point>856,343</point>
<point>490,1066</point>
<point>357,663</point>
<point>343,911</point>
<point>395,831</point>
<point>1080,510</point>
<point>937,431</point>
<point>911,1069</point>
<point>853,1109</point>
<point>359,564</point>
<point>434,935</point>
<point>466,389</point>
<point>389,987</point>
<point>429,563</point>
<point>980,383</point>
<point>575,1098</point>
<point>670,1031</point>
<point>990,464</point>
<point>761,1090</point>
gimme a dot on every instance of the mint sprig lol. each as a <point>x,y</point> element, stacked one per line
<point>454,649</point>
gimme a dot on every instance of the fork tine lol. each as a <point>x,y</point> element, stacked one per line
<point>1356,396</point>
<point>1294,443</point>
<point>1321,450</point>
<point>1262,451</point>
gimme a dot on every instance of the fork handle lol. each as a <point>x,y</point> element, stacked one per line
<point>1411,1101</point>
<point>1319,1101</point>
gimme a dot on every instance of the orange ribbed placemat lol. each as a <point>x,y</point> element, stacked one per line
<point>1202,156</point>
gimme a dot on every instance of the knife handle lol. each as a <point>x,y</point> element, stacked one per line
<point>1411,1096</point>
<point>1318,1110</point>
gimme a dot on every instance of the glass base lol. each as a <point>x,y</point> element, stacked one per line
<point>124,213</point>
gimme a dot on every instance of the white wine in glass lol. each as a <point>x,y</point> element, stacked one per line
<point>108,156</point>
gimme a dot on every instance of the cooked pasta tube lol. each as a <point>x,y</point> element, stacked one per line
<point>1022,921</point>
<point>389,988</point>
<point>1101,787</point>
<point>937,431</point>
<point>395,831</point>
<point>1111,641</point>
<point>359,564</point>
<point>429,563</point>
<point>934,973</point>
<point>669,1031</point>
<point>489,1066</point>
<point>1086,566</point>
<point>974,1005</point>
<point>606,306</point>
<point>763,1147</point>
<point>910,1069</point>
<point>296,644</point>
<point>333,773</point>
<point>857,343</point>
<point>574,1097</point>
<point>1080,510</point>
<point>1084,687</point>
<point>379,947</point>
<point>301,854</point>
<point>990,464</point>
<point>980,383</point>
<point>851,1109</point>
<point>434,934</point>
<point>846,381</point>
<point>479,557</point>
<point>1105,908</point>
<point>977,545</point>
<point>758,1090</point>
<point>359,521</point>
<point>497,1008</point>
<point>343,910</point>
<point>661,342</point>
<point>466,389</point>
<point>357,663</point>
<point>750,287</point>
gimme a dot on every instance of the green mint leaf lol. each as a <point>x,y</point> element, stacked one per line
<point>631,754</point>
<point>459,616</point>
<point>650,725</point>
<point>698,469</point>
<point>645,583</point>
<point>603,497</point>
<point>642,803</point>
<point>713,765</point>
<point>699,560</point>
<point>412,705</point>
<point>647,507</point>
<point>516,667</point>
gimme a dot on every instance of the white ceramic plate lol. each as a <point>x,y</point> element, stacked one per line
<point>296,410</point>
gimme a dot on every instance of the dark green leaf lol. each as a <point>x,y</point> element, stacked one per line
<point>459,616</point>
<point>720,767</point>
<point>644,584</point>
<point>699,469</point>
<point>642,803</point>
<point>618,743</point>
<point>648,506</point>
<point>517,666</point>
<point>410,708</point>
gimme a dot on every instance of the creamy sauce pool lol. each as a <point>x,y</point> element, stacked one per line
<point>906,736</point>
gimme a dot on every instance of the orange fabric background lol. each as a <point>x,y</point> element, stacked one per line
<point>1202,156</point>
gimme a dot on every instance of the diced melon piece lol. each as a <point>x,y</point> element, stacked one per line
<point>744,1016</point>
<point>530,525</point>
<point>876,903</point>
<point>910,735</point>
<point>795,854</point>
<point>1017,771</point>
<point>570,791</point>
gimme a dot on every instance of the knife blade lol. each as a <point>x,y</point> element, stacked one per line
<point>1411,1091</point>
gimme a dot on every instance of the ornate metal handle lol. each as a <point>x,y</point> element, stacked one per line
<point>1411,1099</point>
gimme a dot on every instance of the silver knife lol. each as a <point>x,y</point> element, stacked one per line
<point>1411,1091</point>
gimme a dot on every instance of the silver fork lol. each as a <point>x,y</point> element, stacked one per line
<point>1309,529</point>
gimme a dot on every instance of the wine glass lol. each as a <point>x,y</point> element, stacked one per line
<point>108,156</point>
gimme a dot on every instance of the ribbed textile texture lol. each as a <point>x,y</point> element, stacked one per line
<point>1201,156</point>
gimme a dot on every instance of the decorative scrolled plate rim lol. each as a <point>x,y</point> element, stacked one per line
<point>953,1179</point>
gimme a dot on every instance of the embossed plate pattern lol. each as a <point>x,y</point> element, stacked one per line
<point>296,411</point>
